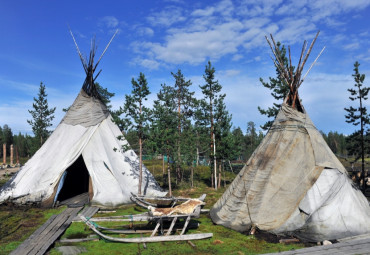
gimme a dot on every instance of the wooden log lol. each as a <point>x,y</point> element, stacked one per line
<point>191,244</point>
<point>289,240</point>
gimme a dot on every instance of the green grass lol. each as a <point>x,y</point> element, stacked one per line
<point>18,223</point>
<point>224,241</point>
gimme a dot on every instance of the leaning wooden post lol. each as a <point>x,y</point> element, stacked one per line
<point>11,154</point>
<point>4,154</point>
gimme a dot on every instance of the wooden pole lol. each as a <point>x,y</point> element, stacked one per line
<point>11,154</point>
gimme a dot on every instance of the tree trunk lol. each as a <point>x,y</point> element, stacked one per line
<point>215,161</point>
<point>219,176</point>
<point>169,178</point>
<point>197,160</point>
<point>231,167</point>
<point>224,178</point>
<point>212,180</point>
<point>362,145</point>
<point>4,154</point>
<point>178,172</point>
<point>192,176</point>
<point>219,179</point>
<point>163,164</point>
<point>140,166</point>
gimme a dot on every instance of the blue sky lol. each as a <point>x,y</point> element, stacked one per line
<point>160,37</point>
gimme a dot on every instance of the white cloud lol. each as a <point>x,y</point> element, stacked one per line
<point>204,12</point>
<point>147,63</point>
<point>237,57</point>
<point>145,31</point>
<point>167,17</point>
<point>352,46</point>
<point>109,21</point>
<point>229,72</point>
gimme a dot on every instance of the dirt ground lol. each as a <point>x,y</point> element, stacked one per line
<point>5,173</point>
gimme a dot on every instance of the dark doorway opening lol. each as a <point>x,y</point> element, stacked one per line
<point>76,181</point>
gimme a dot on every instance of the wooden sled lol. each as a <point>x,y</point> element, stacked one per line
<point>150,217</point>
<point>145,201</point>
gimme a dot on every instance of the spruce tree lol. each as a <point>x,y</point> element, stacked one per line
<point>358,116</point>
<point>42,116</point>
<point>138,115</point>
<point>279,90</point>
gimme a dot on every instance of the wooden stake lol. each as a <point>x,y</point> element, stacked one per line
<point>11,154</point>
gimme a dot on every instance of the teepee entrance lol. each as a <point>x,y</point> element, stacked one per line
<point>76,180</point>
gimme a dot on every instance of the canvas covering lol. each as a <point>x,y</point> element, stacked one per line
<point>87,130</point>
<point>294,184</point>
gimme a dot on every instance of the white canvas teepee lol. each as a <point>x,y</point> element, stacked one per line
<point>83,154</point>
<point>293,183</point>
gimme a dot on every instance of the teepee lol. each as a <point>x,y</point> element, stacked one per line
<point>293,183</point>
<point>83,154</point>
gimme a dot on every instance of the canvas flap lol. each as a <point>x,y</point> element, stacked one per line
<point>86,111</point>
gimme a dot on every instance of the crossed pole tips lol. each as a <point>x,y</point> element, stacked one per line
<point>89,66</point>
<point>289,76</point>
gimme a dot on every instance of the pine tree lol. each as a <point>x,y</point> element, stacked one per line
<point>279,90</point>
<point>42,116</point>
<point>358,116</point>
<point>138,115</point>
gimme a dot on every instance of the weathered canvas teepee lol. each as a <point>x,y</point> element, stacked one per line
<point>293,183</point>
<point>83,154</point>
